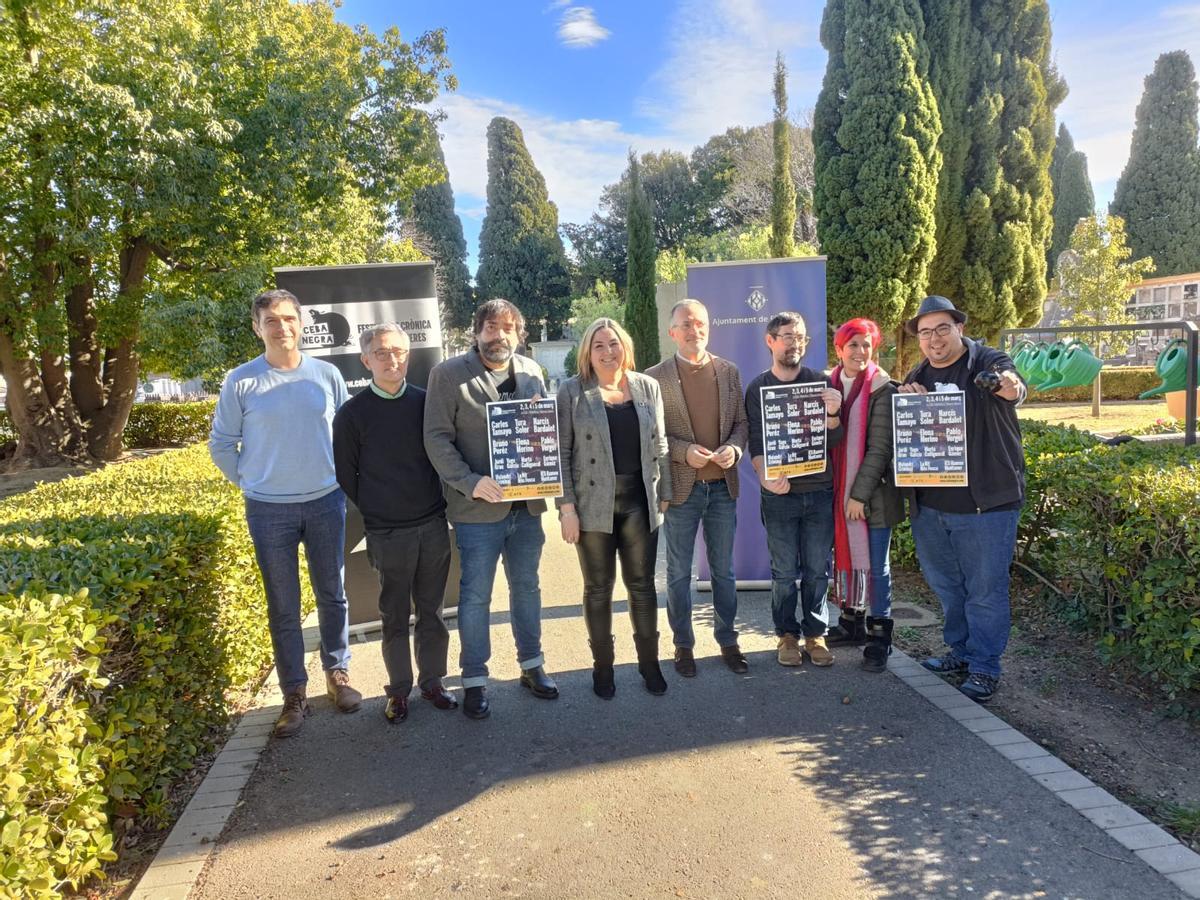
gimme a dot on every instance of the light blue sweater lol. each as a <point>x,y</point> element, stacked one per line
<point>272,432</point>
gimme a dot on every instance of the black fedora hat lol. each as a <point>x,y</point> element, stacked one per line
<point>932,304</point>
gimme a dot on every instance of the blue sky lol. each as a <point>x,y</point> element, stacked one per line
<point>586,83</point>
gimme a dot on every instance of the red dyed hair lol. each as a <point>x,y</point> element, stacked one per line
<point>857,326</point>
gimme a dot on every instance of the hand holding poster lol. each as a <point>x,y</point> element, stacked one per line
<point>523,438</point>
<point>930,437</point>
<point>793,420</point>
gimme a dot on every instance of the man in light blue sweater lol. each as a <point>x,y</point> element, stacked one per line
<point>272,437</point>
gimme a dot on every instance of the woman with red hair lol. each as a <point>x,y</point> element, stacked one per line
<point>867,504</point>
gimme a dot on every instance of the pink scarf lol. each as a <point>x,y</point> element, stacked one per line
<point>851,540</point>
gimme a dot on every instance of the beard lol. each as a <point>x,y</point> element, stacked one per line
<point>497,351</point>
<point>790,358</point>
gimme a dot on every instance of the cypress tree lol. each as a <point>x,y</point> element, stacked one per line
<point>521,256</point>
<point>1073,196</point>
<point>993,262</point>
<point>437,231</point>
<point>1156,194</point>
<point>875,136</point>
<point>641,314</point>
<point>783,189</point>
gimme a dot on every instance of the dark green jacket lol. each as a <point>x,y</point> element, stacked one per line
<point>875,484</point>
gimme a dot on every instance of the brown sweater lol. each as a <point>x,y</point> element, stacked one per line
<point>699,384</point>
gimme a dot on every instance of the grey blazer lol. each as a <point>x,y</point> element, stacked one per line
<point>589,479</point>
<point>456,436</point>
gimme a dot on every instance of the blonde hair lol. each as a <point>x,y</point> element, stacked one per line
<point>583,356</point>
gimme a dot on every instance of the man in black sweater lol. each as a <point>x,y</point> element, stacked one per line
<point>379,456</point>
<point>797,512</point>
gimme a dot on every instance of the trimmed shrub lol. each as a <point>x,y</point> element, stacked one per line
<point>162,549</point>
<point>169,424</point>
<point>1118,383</point>
<point>159,424</point>
<point>52,822</point>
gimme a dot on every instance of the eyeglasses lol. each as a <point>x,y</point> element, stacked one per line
<point>795,340</point>
<point>941,331</point>
<point>385,355</point>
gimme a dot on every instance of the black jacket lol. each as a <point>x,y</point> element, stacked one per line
<point>875,484</point>
<point>995,457</point>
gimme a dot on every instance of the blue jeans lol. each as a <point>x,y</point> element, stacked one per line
<point>800,541</point>
<point>881,571</point>
<point>277,530</point>
<point>518,540</point>
<point>711,505</point>
<point>965,558</point>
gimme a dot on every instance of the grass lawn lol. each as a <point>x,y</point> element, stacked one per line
<point>1115,415</point>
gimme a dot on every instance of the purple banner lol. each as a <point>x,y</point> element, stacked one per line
<point>741,298</point>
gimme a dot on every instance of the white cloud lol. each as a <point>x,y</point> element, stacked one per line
<point>1105,69</point>
<point>578,28</point>
<point>720,61</point>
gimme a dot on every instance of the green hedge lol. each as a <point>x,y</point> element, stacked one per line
<point>1115,528</point>
<point>161,547</point>
<point>1119,383</point>
<point>158,424</point>
<point>53,828</point>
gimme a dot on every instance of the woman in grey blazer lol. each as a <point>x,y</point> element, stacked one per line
<point>616,484</point>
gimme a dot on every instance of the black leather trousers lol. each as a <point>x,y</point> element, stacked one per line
<point>637,546</point>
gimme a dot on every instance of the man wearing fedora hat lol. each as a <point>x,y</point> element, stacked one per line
<point>965,536</point>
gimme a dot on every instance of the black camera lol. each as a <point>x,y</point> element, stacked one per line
<point>988,381</point>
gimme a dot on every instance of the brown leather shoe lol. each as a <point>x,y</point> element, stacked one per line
<point>337,686</point>
<point>439,696</point>
<point>818,652</point>
<point>396,709</point>
<point>735,660</point>
<point>291,720</point>
<point>685,662</point>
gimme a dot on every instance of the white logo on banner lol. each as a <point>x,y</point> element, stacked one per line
<point>757,299</point>
<point>333,328</point>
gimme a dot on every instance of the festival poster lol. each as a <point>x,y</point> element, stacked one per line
<point>930,439</point>
<point>523,440</point>
<point>793,427</point>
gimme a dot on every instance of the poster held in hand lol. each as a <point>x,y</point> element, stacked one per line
<point>523,440</point>
<point>793,420</point>
<point>930,439</point>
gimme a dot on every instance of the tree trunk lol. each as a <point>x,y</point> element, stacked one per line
<point>83,346</point>
<point>47,433</point>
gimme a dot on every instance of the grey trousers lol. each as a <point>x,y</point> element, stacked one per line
<point>412,564</point>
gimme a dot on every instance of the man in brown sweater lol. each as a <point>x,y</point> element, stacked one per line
<point>706,436</point>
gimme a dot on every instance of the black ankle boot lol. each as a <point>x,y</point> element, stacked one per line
<point>602,668</point>
<point>879,644</point>
<point>850,629</point>
<point>647,654</point>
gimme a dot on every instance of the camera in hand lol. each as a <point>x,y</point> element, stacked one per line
<point>988,381</point>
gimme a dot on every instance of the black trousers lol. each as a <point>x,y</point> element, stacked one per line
<point>636,545</point>
<point>412,564</point>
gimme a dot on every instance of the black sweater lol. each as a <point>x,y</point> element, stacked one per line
<point>800,484</point>
<point>379,456</point>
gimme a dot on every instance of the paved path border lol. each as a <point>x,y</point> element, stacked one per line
<point>183,856</point>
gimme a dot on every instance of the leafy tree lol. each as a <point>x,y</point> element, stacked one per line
<point>602,302</point>
<point>571,362</point>
<point>152,158</point>
<point>876,130</point>
<point>437,230</point>
<point>521,256</point>
<point>1158,193</point>
<point>1095,276</point>
<point>641,313</point>
<point>783,189</point>
<point>1073,196</point>
<point>999,86</point>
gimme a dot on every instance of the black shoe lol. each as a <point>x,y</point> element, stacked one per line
<point>648,667</point>
<point>947,664</point>
<point>539,683</point>
<point>685,662</point>
<point>475,703</point>
<point>396,709</point>
<point>879,644</point>
<point>851,629</point>
<point>735,660</point>
<point>980,688</point>
<point>603,685</point>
